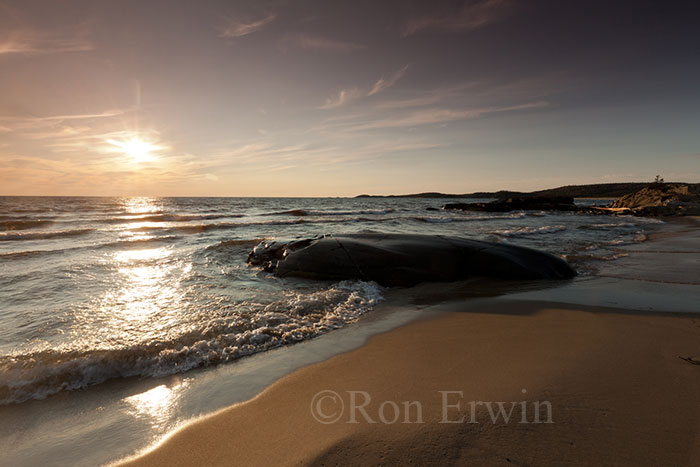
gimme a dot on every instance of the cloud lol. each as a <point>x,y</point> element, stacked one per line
<point>34,44</point>
<point>273,156</point>
<point>240,29</point>
<point>105,114</point>
<point>350,94</point>
<point>343,97</point>
<point>308,42</point>
<point>431,97</point>
<point>279,156</point>
<point>393,146</point>
<point>442,115</point>
<point>472,15</point>
<point>51,125</point>
<point>382,83</point>
<point>76,136</point>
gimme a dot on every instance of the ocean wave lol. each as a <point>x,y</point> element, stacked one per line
<point>133,243</point>
<point>470,218</point>
<point>526,231</point>
<point>291,212</point>
<point>578,257</point>
<point>21,224</point>
<point>606,226</point>
<point>197,228</point>
<point>161,217</point>
<point>305,212</point>
<point>298,317</point>
<point>639,237</point>
<point>30,211</point>
<point>4,237</point>
<point>14,217</point>
<point>435,220</point>
<point>488,216</point>
<point>30,253</point>
<point>226,244</point>
<point>139,242</point>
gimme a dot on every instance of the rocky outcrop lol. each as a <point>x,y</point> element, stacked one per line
<point>539,203</point>
<point>661,199</point>
<point>404,260</point>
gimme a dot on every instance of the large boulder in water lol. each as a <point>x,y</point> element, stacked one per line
<point>404,260</point>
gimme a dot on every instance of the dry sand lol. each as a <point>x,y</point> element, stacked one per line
<point>619,392</point>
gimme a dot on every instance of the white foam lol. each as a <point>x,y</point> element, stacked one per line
<point>297,317</point>
<point>524,231</point>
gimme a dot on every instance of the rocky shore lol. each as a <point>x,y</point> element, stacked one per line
<point>661,199</point>
<point>656,199</point>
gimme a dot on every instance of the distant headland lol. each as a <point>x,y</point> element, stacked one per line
<point>598,190</point>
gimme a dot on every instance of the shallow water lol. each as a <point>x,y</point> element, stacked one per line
<point>93,289</point>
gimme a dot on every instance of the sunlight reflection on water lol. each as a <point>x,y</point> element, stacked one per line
<point>156,405</point>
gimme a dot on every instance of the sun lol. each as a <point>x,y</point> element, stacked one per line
<point>138,149</point>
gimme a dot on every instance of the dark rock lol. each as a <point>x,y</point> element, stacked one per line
<point>405,260</point>
<point>661,199</point>
<point>494,206</point>
<point>559,203</point>
<point>691,360</point>
<point>431,209</point>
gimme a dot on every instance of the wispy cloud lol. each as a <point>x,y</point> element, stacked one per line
<point>309,42</point>
<point>383,83</point>
<point>38,127</point>
<point>342,98</point>
<point>279,156</point>
<point>76,135</point>
<point>105,114</point>
<point>472,15</point>
<point>237,28</point>
<point>441,115</point>
<point>425,98</point>
<point>30,43</point>
<point>350,94</point>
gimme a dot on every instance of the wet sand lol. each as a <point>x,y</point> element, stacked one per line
<point>622,385</point>
<point>620,394</point>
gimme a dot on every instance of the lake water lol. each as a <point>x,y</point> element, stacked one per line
<point>93,289</point>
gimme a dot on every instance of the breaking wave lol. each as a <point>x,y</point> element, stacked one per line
<point>298,317</point>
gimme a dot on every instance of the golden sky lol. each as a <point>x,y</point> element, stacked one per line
<point>312,98</point>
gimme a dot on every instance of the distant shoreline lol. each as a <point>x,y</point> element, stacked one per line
<point>590,191</point>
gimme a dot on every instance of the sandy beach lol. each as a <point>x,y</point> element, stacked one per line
<point>341,233</point>
<point>621,384</point>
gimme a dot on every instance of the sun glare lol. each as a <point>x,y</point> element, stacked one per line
<point>136,148</point>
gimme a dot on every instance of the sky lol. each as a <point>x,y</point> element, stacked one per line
<point>340,98</point>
